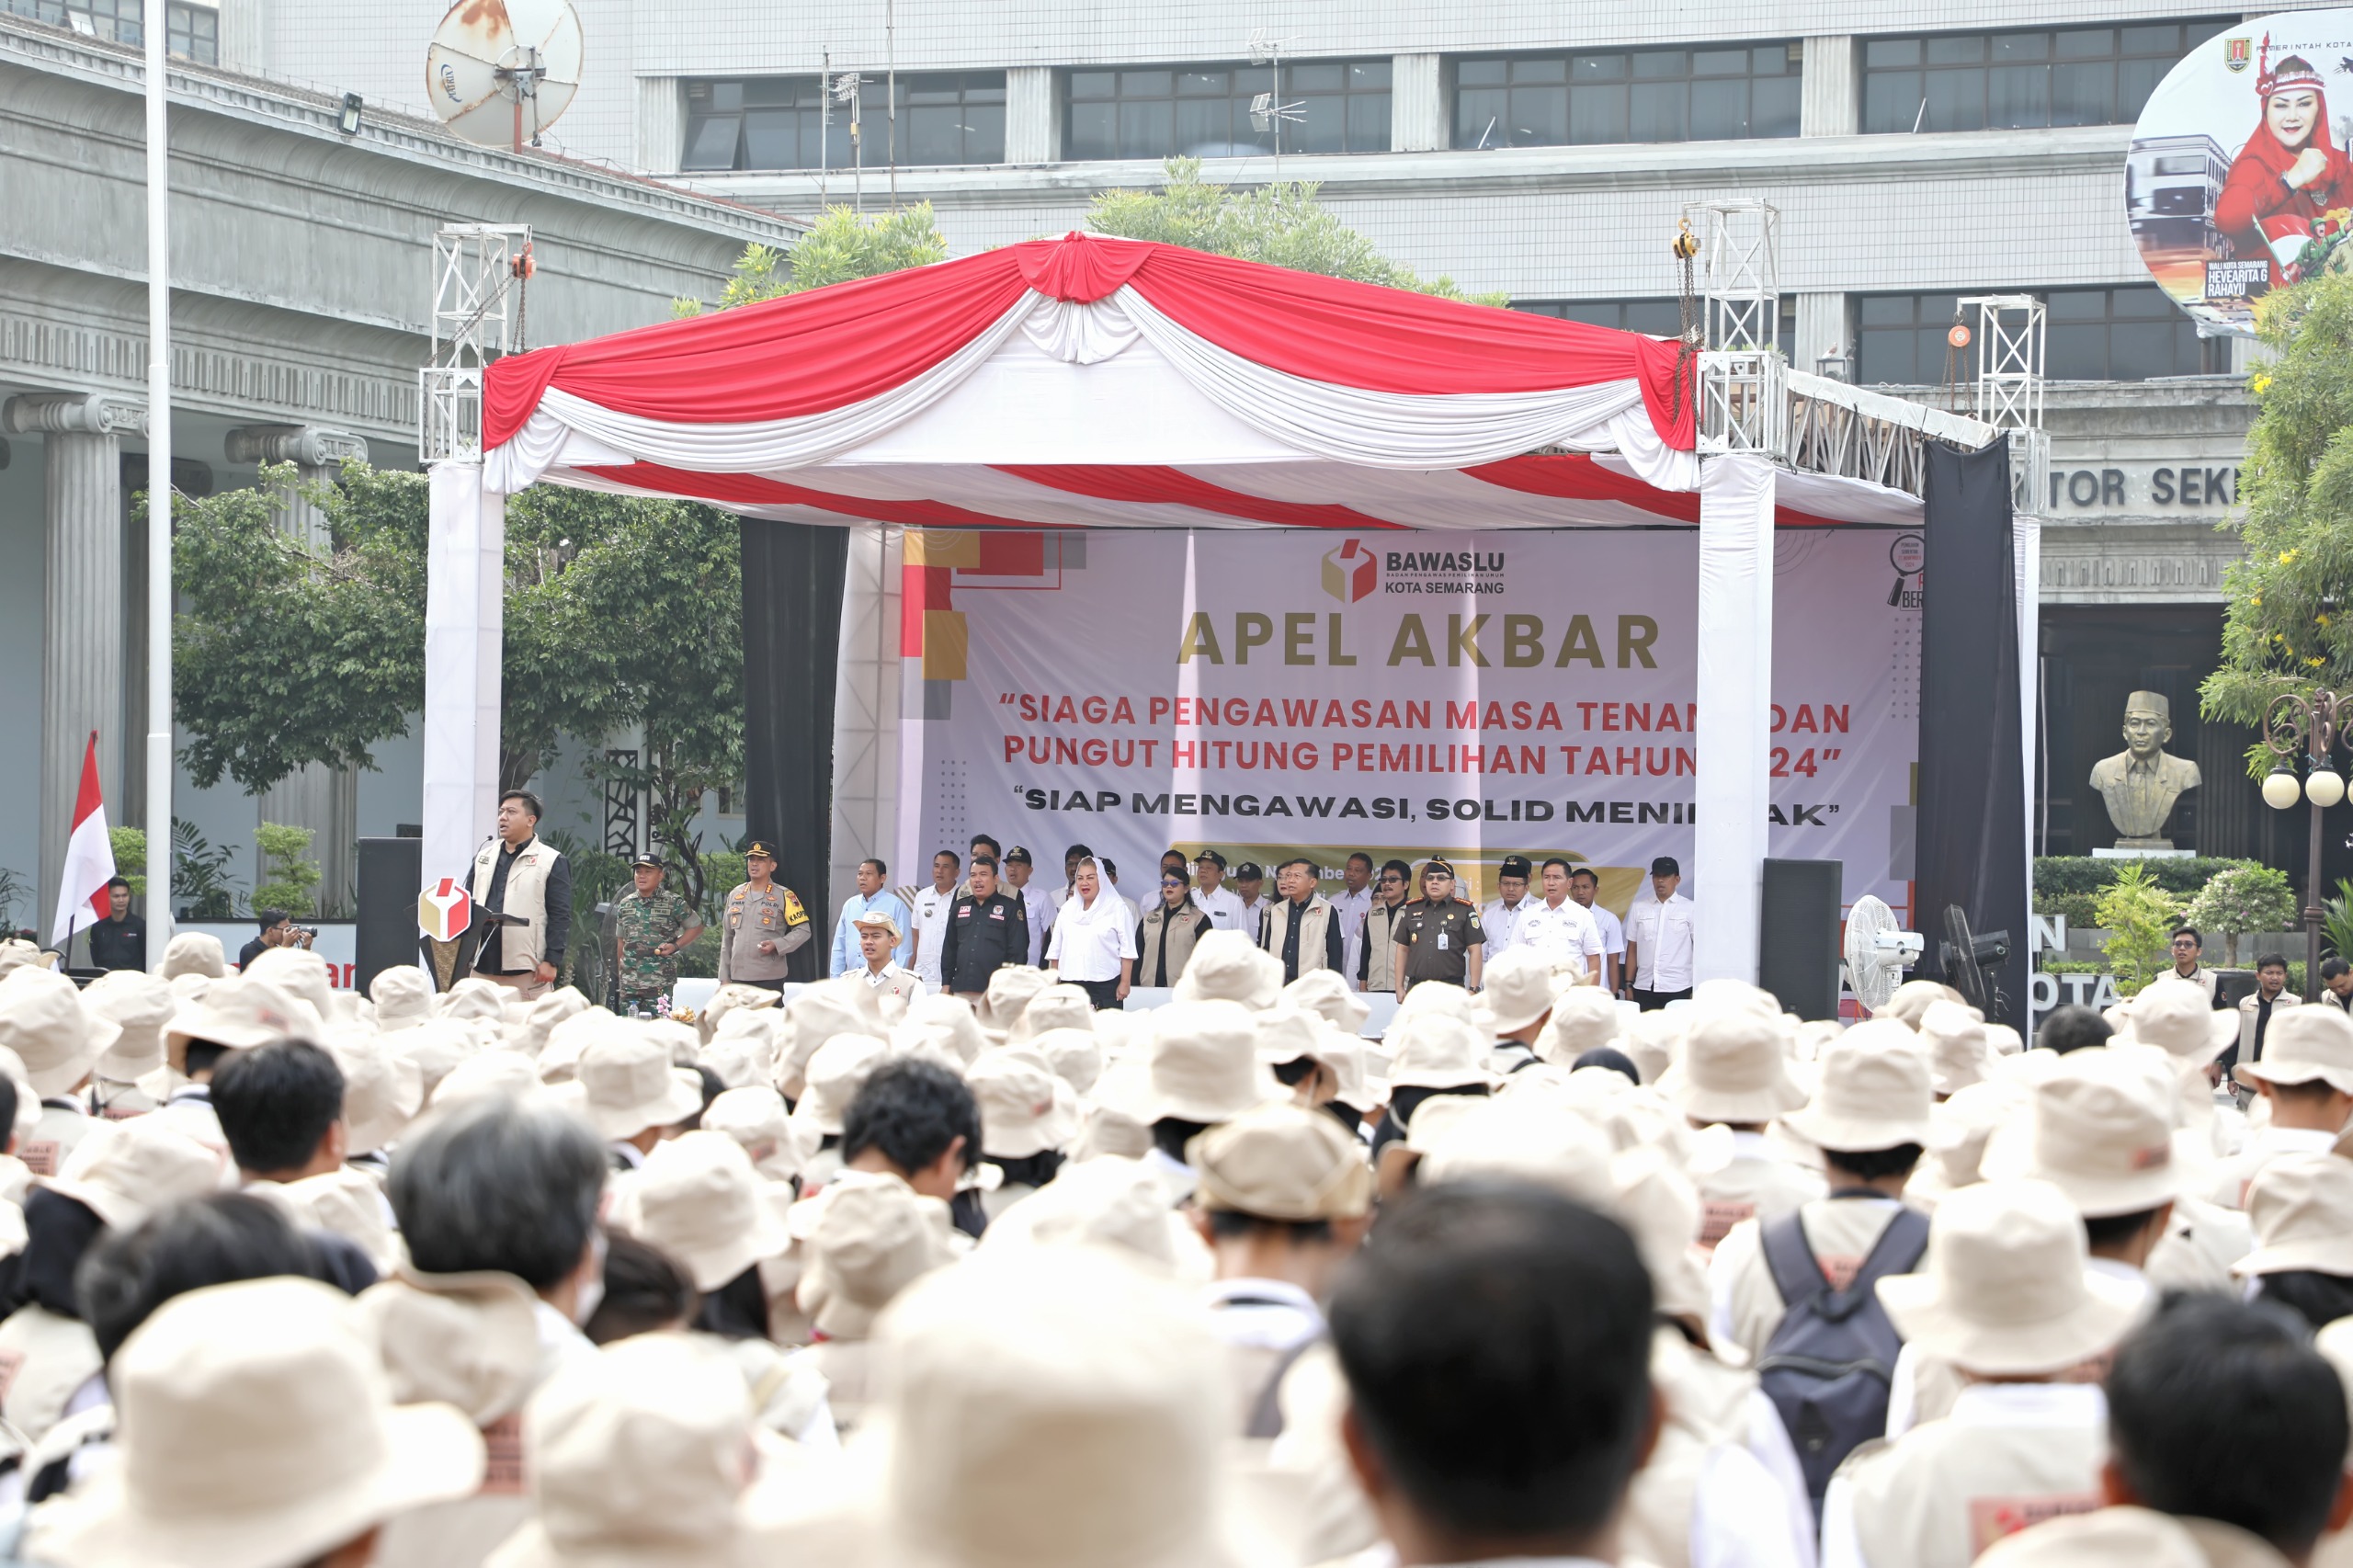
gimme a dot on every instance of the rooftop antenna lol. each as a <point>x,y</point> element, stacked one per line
<point>845,88</point>
<point>497,75</point>
<point>1268,111</point>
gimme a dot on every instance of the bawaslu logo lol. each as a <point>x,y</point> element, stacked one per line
<point>1351,572</point>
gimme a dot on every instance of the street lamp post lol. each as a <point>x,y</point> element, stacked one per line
<point>2307,724</point>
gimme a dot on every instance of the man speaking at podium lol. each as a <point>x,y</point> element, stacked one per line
<point>520,874</point>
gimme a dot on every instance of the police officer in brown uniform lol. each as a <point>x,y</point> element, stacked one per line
<point>1437,936</point>
<point>763,924</point>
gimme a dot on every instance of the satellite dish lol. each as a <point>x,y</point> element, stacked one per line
<point>499,71</point>
<point>1970,963</point>
<point>1876,952</point>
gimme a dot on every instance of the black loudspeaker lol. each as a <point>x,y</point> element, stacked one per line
<point>391,878</point>
<point>1797,944</point>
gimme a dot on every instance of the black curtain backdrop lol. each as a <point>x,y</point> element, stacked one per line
<point>1971,844</point>
<point>792,622</point>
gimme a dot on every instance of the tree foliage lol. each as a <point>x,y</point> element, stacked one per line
<point>1282,225</point>
<point>2285,627</point>
<point>2240,899</point>
<point>843,243</point>
<point>290,879</point>
<point>2139,917</point>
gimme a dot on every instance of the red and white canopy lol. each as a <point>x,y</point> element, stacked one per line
<point>1099,382</point>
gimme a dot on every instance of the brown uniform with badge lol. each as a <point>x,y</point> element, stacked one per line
<point>1438,940</point>
<point>753,915</point>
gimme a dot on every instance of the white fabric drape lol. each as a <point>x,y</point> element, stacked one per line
<point>2026,557</point>
<point>1731,795</point>
<point>464,620</point>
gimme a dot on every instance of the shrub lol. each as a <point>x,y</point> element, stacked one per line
<point>2139,916</point>
<point>290,879</point>
<point>2240,899</point>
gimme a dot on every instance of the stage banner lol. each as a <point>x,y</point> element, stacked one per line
<point>1475,695</point>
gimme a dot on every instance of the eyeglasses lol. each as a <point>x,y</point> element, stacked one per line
<point>1170,882</point>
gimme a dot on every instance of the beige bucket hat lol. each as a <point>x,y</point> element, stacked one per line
<point>2298,1048</point>
<point>2101,1131</point>
<point>2122,1538</point>
<point>1103,1202</point>
<point>2007,1292</point>
<point>2301,1208</point>
<point>1008,994</point>
<point>1734,1068</point>
<point>698,1199</point>
<point>383,1089</point>
<point>755,1116</point>
<point>1075,1055</point>
<point>255,1429</point>
<point>1658,1204</point>
<point>347,1203</point>
<point>1584,1018</point>
<point>239,1013</point>
<point>625,1084</point>
<point>1227,966</point>
<point>403,994</point>
<point>1517,990</point>
<point>17,953</point>
<point>947,1022</point>
<point>1323,991</point>
<point>1914,997</point>
<point>1521,1136</point>
<point>836,1071</point>
<point>637,1458</point>
<point>1434,1050</point>
<point>1025,1109</point>
<point>124,1171</point>
<point>140,1005</point>
<point>866,1237</point>
<point>302,974</point>
<point>44,1020</point>
<point>474,997</point>
<point>507,1075</point>
<point>1874,1093</point>
<point>195,952</point>
<point>1956,1038</point>
<point>1056,1408</point>
<point>2178,1015</point>
<point>1203,1061</point>
<point>1057,1007</point>
<point>1281,1162</point>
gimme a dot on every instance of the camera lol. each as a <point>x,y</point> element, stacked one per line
<point>305,935</point>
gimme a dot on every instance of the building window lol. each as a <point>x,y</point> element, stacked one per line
<point>2095,334</point>
<point>1659,318</point>
<point>195,30</point>
<point>781,122</point>
<point>2009,81</point>
<point>1644,95</point>
<point>1203,111</point>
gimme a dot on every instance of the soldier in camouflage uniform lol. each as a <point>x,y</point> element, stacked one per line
<point>651,926</point>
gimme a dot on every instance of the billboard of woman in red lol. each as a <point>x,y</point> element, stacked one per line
<point>2288,192</point>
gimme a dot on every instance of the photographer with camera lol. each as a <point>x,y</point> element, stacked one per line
<point>278,930</point>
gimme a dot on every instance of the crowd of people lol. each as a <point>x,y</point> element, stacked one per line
<point>990,1274</point>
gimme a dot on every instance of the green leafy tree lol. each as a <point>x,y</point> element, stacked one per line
<point>129,847</point>
<point>201,877</point>
<point>2139,916</point>
<point>2285,627</point>
<point>1282,225</point>
<point>290,879</point>
<point>843,243</point>
<point>2240,899</point>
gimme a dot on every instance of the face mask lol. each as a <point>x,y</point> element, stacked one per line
<point>591,1294</point>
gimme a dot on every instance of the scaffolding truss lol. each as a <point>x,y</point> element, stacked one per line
<point>2012,332</point>
<point>479,273</point>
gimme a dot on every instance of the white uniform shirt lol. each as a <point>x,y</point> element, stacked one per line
<point>931,921</point>
<point>1248,918</point>
<point>1041,905</point>
<point>1498,920</point>
<point>1351,907</point>
<point>1089,942</point>
<point>1566,936</point>
<point>1223,907</point>
<point>1661,936</point>
<point>1613,934</point>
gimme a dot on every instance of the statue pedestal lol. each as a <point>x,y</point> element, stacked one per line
<point>2144,849</point>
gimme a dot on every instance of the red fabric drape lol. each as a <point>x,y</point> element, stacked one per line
<point>1171,486</point>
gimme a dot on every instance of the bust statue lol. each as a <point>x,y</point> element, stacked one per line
<point>2142,782</point>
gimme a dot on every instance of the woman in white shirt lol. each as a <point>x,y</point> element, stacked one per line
<point>1094,942</point>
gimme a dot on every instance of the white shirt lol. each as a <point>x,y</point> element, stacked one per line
<point>1041,905</point>
<point>1249,917</point>
<point>1613,935</point>
<point>1566,936</point>
<point>931,925</point>
<point>1498,919</point>
<point>1351,907</point>
<point>1089,942</point>
<point>1662,935</point>
<point>1223,907</point>
<point>1266,1315</point>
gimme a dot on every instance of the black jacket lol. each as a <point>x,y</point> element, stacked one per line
<point>984,936</point>
<point>119,944</point>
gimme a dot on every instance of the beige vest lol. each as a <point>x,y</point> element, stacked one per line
<point>1752,1187</point>
<point>1183,931</point>
<point>1312,924</point>
<point>1380,946</point>
<point>44,1360</point>
<point>1943,1492</point>
<point>1841,1230</point>
<point>519,946</point>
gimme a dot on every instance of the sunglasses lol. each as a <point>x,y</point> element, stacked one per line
<point>1170,882</point>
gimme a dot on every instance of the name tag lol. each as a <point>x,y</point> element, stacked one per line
<point>1718,1218</point>
<point>1441,941</point>
<point>1991,1518</point>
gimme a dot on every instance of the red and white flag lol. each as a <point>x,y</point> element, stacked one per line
<point>89,858</point>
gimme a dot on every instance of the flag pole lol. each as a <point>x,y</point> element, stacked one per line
<point>158,27</point>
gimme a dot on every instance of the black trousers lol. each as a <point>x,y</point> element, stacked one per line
<point>1104,993</point>
<point>1652,1001</point>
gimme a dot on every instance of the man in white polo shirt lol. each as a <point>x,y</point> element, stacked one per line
<point>1352,903</point>
<point>1498,915</point>
<point>1216,900</point>
<point>1659,939</point>
<point>1584,886</point>
<point>1557,926</point>
<point>931,908</point>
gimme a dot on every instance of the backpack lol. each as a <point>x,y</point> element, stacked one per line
<point>1828,1366</point>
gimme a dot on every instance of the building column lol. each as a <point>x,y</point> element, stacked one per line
<point>1416,104</point>
<point>324,799</point>
<point>1033,123</point>
<point>661,124</point>
<point>82,635</point>
<point>245,36</point>
<point>1823,329</point>
<point>1831,98</point>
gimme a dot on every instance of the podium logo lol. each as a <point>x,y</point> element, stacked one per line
<point>1350,573</point>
